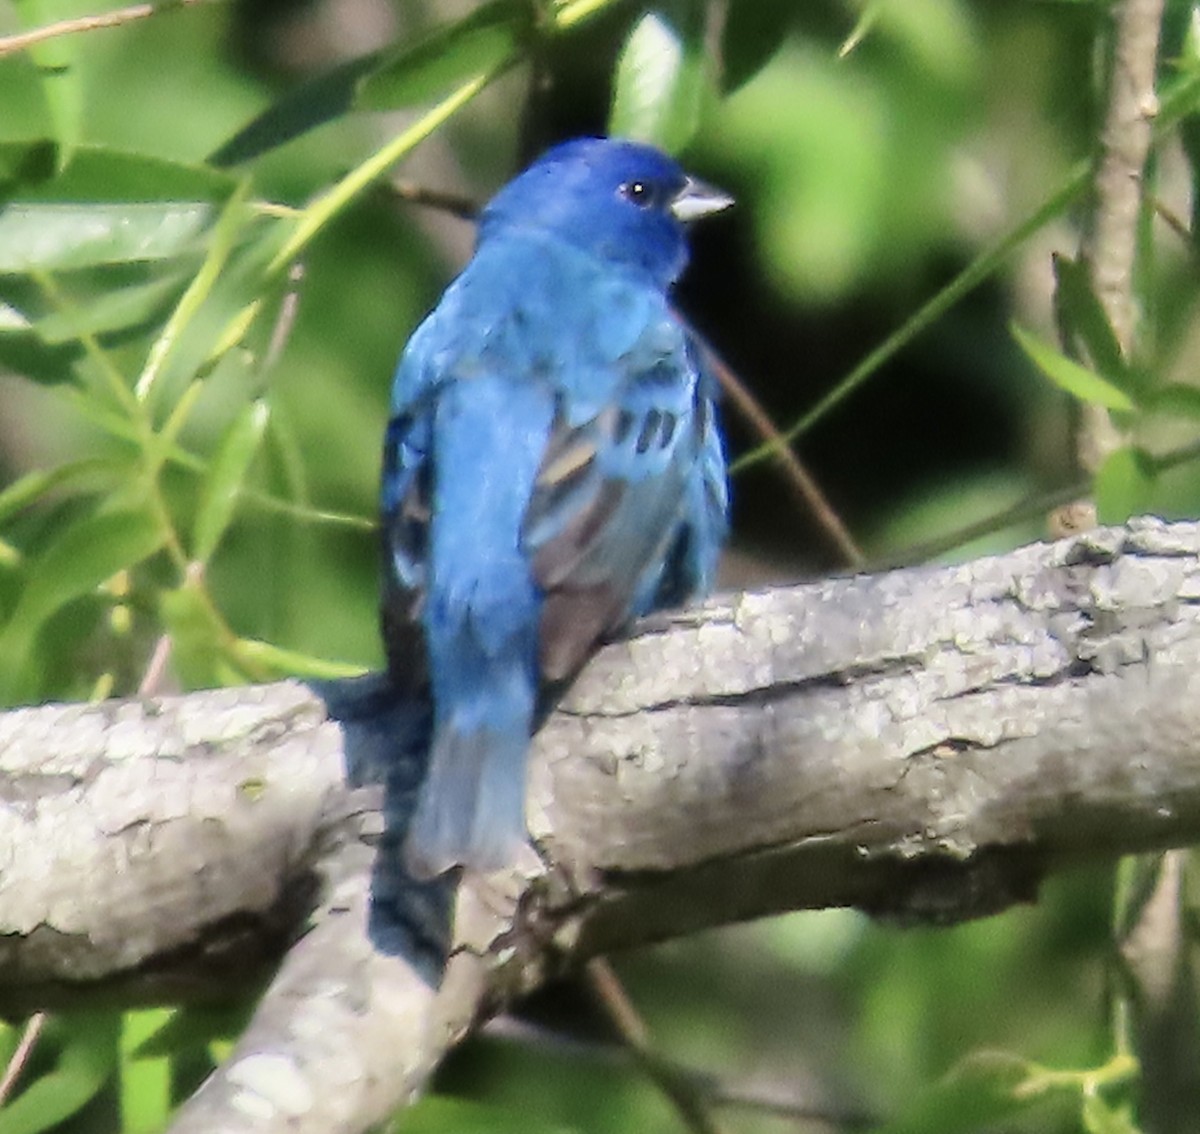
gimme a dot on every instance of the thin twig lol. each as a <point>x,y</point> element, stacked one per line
<point>23,41</point>
<point>156,667</point>
<point>720,1092</point>
<point>29,1038</point>
<point>285,320</point>
<point>1174,222</point>
<point>443,200</point>
<point>679,1089</point>
<point>804,487</point>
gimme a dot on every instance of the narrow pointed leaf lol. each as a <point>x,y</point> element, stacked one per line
<point>310,105</point>
<point>56,60</point>
<point>102,173</point>
<point>88,552</point>
<point>92,473</point>
<point>220,244</point>
<point>110,311</point>
<point>1175,400</point>
<point>259,655</point>
<point>660,78</point>
<point>480,42</point>
<point>197,638</point>
<point>145,1079</point>
<point>226,475</point>
<point>54,237</point>
<point>1083,322</point>
<point>386,79</point>
<point>1078,381</point>
<point>107,207</point>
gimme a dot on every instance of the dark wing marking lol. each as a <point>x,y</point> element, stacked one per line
<point>606,506</point>
<point>405,511</point>
<point>690,567</point>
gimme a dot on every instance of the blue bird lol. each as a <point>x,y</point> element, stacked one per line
<point>552,468</point>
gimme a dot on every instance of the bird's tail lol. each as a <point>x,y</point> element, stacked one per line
<point>471,807</point>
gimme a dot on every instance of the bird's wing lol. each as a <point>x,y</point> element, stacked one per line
<point>690,567</point>
<point>612,494</point>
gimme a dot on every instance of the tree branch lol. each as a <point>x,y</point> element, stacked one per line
<point>924,744</point>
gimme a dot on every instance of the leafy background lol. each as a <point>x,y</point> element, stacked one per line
<point>189,430</point>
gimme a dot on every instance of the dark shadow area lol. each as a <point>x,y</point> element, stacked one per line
<point>386,733</point>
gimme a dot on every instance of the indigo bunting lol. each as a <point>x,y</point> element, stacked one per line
<point>552,468</point>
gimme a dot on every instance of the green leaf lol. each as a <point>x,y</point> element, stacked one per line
<point>12,320</point>
<point>481,42</point>
<point>259,655</point>
<point>57,237</point>
<point>103,174</point>
<point>753,33</point>
<point>198,640</point>
<point>115,309</point>
<point>220,244</point>
<point>388,79</point>
<point>1103,1117</point>
<point>1124,485</point>
<point>87,553</point>
<point>85,1063</point>
<point>863,26</point>
<point>310,105</point>
<point>1083,322</point>
<point>226,475</point>
<point>27,163</point>
<point>660,79</point>
<point>107,207</point>
<point>30,357</point>
<point>92,473</point>
<point>1078,381</point>
<point>319,212</point>
<point>1175,400</point>
<point>145,1078</point>
<point>62,85</point>
<point>194,1026</point>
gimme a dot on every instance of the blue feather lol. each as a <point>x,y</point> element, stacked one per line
<point>552,468</point>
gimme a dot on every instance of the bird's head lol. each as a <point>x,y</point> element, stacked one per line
<point>625,203</point>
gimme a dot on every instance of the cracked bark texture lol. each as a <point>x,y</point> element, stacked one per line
<point>924,744</point>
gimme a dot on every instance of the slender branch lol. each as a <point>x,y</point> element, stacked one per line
<point>156,668</point>
<point>441,200</point>
<point>23,41</point>
<point>925,744</point>
<point>801,482</point>
<point>1111,243</point>
<point>20,1057</point>
<point>679,1089</point>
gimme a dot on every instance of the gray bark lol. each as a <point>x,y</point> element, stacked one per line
<point>925,744</point>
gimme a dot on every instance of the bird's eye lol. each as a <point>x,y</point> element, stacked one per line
<point>639,193</point>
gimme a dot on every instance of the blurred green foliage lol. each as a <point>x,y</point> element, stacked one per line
<point>204,285</point>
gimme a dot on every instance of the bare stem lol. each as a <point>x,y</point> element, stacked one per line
<point>23,41</point>
<point>1111,246</point>
<point>680,1089</point>
<point>29,1038</point>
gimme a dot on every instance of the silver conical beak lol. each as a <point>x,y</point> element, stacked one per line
<point>697,199</point>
